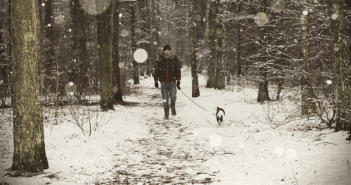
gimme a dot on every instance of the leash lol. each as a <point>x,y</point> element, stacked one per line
<point>196,103</point>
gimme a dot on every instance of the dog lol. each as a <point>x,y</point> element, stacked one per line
<point>219,115</point>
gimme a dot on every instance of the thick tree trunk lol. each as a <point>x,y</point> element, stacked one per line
<point>211,32</point>
<point>195,81</point>
<point>78,75</point>
<point>28,129</point>
<point>134,45</point>
<point>307,94</point>
<point>117,89</point>
<point>105,38</point>
<point>341,66</point>
<point>263,83</point>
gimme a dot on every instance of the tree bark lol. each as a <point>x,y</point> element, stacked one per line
<point>263,83</point>
<point>211,32</point>
<point>221,46</point>
<point>105,38</point>
<point>307,94</point>
<point>49,46</point>
<point>117,83</point>
<point>134,45</point>
<point>28,129</point>
<point>238,43</point>
<point>195,81</point>
<point>341,66</point>
<point>78,75</point>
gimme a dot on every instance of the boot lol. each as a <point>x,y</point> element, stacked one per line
<point>166,115</point>
<point>173,111</point>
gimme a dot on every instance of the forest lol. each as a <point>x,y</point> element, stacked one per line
<point>76,74</point>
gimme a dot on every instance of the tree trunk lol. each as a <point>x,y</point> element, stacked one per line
<point>49,46</point>
<point>134,45</point>
<point>307,94</point>
<point>211,32</point>
<point>263,83</point>
<point>221,46</point>
<point>341,66</point>
<point>28,129</point>
<point>105,38</point>
<point>78,75</point>
<point>117,89</point>
<point>195,81</point>
<point>238,43</point>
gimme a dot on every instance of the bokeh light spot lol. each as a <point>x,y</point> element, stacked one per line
<point>28,36</point>
<point>100,6</point>
<point>261,19</point>
<point>329,82</point>
<point>278,6</point>
<point>305,12</point>
<point>121,65</point>
<point>140,55</point>
<point>334,16</point>
<point>70,88</point>
<point>124,33</point>
<point>279,150</point>
<point>215,140</point>
<point>114,89</point>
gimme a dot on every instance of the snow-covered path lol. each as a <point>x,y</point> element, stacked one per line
<point>135,143</point>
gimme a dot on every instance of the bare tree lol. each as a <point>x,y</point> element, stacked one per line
<point>263,82</point>
<point>307,93</point>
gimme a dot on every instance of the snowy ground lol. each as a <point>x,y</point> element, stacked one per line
<point>134,144</point>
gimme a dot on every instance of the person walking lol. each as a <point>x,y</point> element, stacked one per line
<point>168,72</point>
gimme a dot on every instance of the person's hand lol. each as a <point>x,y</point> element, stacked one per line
<point>178,85</point>
<point>156,84</point>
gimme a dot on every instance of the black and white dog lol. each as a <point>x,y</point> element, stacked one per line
<point>219,115</point>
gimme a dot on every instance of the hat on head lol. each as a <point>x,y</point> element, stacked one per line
<point>167,47</point>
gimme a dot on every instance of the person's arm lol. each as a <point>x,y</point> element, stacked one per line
<point>178,71</point>
<point>156,73</point>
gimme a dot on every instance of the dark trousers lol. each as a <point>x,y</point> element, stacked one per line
<point>168,90</point>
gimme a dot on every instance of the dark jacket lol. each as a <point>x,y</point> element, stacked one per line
<point>167,70</point>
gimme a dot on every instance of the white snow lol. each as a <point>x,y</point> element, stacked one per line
<point>246,148</point>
